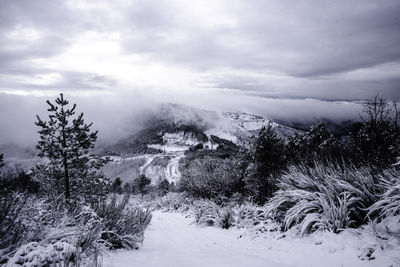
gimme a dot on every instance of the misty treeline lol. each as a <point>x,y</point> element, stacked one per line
<point>60,212</point>
<point>314,179</point>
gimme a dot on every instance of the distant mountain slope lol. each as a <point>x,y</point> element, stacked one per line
<point>240,127</point>
<point>187,126</point>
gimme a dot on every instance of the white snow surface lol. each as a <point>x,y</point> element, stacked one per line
<point>173,240</point>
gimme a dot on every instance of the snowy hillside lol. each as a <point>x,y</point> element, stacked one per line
<point>240,127</point>
<point>173,129</point>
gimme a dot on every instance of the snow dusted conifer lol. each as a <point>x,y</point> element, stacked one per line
<point>1,160</point>
<point>378,140</point>
<point>65,141</point>
<point>143,184</point>
<point>268,161</point>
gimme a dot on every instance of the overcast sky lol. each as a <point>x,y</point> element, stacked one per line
<point>201,51</point>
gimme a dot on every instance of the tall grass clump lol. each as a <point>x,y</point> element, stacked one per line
<point>124,225</point>
<point>329,197</point>
<point>389,203</point>
<point>12,228</point>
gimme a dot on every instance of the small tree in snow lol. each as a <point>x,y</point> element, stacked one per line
<point>378,140</point>
<point>1,160</point>
<point>143,184</point>
<point>117,185</point>
<point>163,186</point>
<point>65,141</point>
<point>268,160</point>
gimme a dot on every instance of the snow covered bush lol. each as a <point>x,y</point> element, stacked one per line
<point>250,215</point>
<point>210,177</point>
<point>124,225</point>
<point>227,218</point>
<point>38,231</point>
<point>325,197</point>
<point>208,213</point>
<point>173,201</point>
<point>34,254</point>
<point>33,232</point>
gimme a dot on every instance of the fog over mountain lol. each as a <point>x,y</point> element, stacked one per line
<point>118,116</point>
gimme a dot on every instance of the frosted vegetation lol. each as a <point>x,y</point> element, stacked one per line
<point>252,178</point>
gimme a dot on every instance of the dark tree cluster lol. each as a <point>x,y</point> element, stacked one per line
<point>13,178</point>
<point>212,177</point>
<point>267,161</point>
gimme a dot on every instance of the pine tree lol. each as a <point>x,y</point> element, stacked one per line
<point>1,160</point>
<point>164,186</point>
<point>143,184</point>
<point>378,140</point>
<point>117,185</point>
<point>268,160</point>
<point>65,141</point>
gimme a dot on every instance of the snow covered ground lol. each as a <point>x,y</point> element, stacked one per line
<point>173,240</point>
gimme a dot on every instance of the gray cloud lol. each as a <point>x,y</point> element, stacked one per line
<point>275,58</point>
<point>305,39</point>
<point>301,39</point>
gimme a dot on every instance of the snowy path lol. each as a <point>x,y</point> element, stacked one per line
<point>171,240</point>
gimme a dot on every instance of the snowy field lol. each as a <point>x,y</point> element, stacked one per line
<point>173,240</point>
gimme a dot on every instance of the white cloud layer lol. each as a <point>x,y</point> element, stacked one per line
<point>275,48</point>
